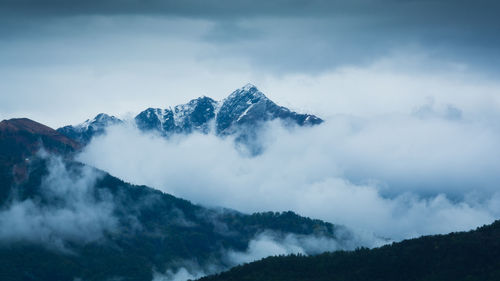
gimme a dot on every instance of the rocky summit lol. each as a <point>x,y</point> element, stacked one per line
<point>241,113</point>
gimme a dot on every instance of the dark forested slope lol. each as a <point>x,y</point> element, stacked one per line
<point>473,255</point>
<point>63,220</point>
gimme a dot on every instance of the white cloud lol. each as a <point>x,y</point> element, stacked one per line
<point>72,213</point>
<point>398,176</point>
<point>266,244</point>
<point>395,84</point>
<point>122,64</point>
<point>181,274</point>
<point>270,244</point>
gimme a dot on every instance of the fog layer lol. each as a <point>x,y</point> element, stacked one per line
<point>67,210</point>
<point>396,175</point>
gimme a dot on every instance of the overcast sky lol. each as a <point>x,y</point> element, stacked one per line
<point>409,91</point>
<point>62,62</point>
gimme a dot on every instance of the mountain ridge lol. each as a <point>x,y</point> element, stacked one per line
<point>67,221</point>
<point>241,113</point>
<point>20,139</point>
<point>457,256</point>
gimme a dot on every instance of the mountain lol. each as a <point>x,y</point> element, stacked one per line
<point>84,132</point>
<point>193,116</point>
<point>22,138</point>
<point>248,106</point>
<point>151,231</point>
<point>68,221</point>
<point>241,113</point>
<point>473,255</point>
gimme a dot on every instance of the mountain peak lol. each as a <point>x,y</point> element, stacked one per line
<point>22,137</point>
<point>91,127</point>
<point>244,109</point>
<point>247,94</point>
<point>104,118</point>
<point>248,87</point>
<point>24,124</point>
<point>196,101</point>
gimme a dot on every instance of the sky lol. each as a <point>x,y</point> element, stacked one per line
<point>408,90</point>
<point>62,62</point>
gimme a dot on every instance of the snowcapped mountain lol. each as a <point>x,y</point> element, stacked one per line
<point>248,106</point>
<point>185,118</point>
<point>84,132</point>
<point>242,112</point>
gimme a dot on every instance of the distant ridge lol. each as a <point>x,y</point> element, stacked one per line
<point>462,256</point>
<point>48,212</point>
<point>244,110</point>
<point>85,131</point>
<point>21,137</point>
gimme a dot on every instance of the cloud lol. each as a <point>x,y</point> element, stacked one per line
<point>396,174</point>
<point>428,110</point>
<point>271,244</point>
<point>181,270</point>
<point>319,34</point>
<point>67,210</point>
<point>135,55</point>
<point>128,74</point>
<point>221,7</point>
<point>181,274</point>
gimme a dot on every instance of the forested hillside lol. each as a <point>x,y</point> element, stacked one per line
<point>473,255</point>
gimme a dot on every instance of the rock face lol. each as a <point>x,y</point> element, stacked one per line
<point>248,106</point>
<point>185,118</point>
<point>241,114</point>
<point>85,131</point>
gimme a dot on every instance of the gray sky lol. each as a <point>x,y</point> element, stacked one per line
<point>64,61</point>
<point>409,90</point>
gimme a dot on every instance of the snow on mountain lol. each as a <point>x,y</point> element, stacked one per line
<point>248,106</point>
<point>185,118</point>
<point>244,110</point>
<point>84,132</point>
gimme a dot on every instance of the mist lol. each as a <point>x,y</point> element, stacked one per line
<point>269,243</point>
<point>429,167</point>
<point>74,214</point>
<point>181,274</point>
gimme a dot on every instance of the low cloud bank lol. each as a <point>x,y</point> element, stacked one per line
<point>67,210</point>
<point>266,244</point>
<point>181,274</point>
<point>270,244</point>
<point>396,175</point>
